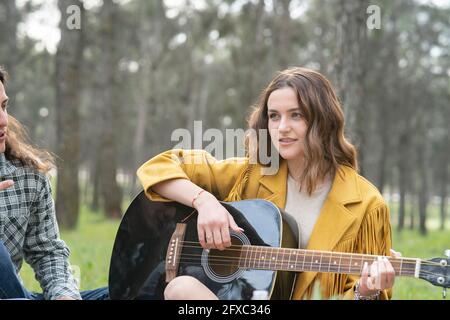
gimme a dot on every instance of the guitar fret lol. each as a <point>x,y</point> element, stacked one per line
<point>288,262</point>
<point>276,258</point>
<point>320,262</point>
<point>283,259</point>
<point>246,258</point>
<point>253,258</point>
<point>304,258</point>
<point>295,252</point>
<point>350,264</point>
<point>401,265</point>
<point>360,265</point>
<point>266,258</point>
<point>273,259</point>
<point>258,259</point>
<point>329,262</point>
<point>340,260</point>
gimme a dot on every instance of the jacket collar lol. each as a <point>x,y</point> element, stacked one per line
<point>6,167</point>
<point>344,189</point>
<point>276,184</point>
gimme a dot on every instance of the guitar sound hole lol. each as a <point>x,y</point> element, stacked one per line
<point>225,263</point>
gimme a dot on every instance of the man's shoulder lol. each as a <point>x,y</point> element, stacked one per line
<point>28,175</point>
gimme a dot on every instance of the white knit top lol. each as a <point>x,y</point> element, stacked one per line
<point>305,209</point>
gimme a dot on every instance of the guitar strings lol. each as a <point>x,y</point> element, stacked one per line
<point>226,259</point>
<point>259,260</point>
<point>305,253</point>
<point>267,265</point>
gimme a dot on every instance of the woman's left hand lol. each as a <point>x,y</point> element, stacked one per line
<point>381,275</point>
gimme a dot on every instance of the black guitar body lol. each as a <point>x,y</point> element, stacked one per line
<point>137,269</point>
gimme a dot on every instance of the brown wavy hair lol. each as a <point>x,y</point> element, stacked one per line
<point>325,144</point>
<point>18,146</point>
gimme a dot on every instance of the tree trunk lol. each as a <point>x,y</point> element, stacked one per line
<point>68,87</point>
<point>403,173</point>
<point>110,191</point>
<point>349,68</point>
<point>95,176</point>
<point>443,204</point>
<point>423,189</point>
<point>284,34</point>
<point>413,212</point>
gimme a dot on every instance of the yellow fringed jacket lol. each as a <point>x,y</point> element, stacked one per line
<point>354,217</point>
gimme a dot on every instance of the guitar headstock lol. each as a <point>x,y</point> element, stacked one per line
<point>436,271</point>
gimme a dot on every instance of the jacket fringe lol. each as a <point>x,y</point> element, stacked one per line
<point>238,188</point>
<point>374,237</point>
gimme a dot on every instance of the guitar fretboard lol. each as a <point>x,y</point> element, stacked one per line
<point>270,258</point>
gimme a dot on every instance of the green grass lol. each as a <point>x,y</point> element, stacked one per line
<point>91,246</point>
<point>412,244</point>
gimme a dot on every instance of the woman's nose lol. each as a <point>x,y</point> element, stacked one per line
<point>284,124</point>
<point>3,118</point>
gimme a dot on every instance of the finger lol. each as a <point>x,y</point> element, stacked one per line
<point>374,278</point>
<point>390,273</point>
<point>209,239</point>
<point>382,274</point>
<point>226,238</point>
<point>364,275</point>
<point>395,254</point>
<point>233,224</point>
<point>201,237</point>
<point>6,184</point>
<point>218,243</point>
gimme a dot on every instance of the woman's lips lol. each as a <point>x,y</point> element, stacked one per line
<point>286,141</point>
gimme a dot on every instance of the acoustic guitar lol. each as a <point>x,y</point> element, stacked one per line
<point>157,241</point>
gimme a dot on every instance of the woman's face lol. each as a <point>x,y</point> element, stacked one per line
<point>287,126</point>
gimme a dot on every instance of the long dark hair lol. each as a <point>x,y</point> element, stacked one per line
<point>18,146</point>
<point>325,145</point>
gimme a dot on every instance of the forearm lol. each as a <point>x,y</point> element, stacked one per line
<point>180,190</point>
<point>54,275</point>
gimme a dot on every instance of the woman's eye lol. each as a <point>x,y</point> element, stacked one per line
<point>273,116</point>
<point>296,115</point>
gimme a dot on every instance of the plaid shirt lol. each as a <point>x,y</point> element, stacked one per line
<point>29,230</point>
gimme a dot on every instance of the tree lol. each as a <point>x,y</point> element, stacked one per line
<point>349,68</point>
<point>67,82</point>
<point>109,80</point>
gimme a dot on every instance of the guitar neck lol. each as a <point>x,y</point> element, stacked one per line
<point>270,258</point>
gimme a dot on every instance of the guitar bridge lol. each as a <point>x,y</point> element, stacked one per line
<point>174,251</point>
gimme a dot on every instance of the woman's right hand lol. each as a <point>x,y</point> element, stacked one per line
<point>214,223</point>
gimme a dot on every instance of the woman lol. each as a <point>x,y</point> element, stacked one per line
<point>316,182</point>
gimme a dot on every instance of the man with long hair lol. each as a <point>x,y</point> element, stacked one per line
<point>28,226</point>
